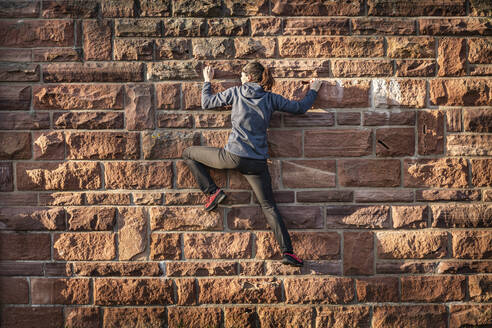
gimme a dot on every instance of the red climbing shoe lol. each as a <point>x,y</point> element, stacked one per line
<point>215,199</point>
<point>292,259</point>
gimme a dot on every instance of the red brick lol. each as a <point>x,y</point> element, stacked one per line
<point>242,316</point>
<point>369,172</point>
<point>308,174</point>
<point>362,67</point>
<point>412,244</point>
<point>416,8</point>
<point>471,315</point>
<point>281,146</point>
<point>454,26</point>
<point>283,8</point>
<point>451,57</point>
<point>60,291</point>
<point>180,269</point>
<point>184,218</point>
<point>25,246</point>
<point>461,216</point>
<point>319,290</point>
<point>61,198</point>
<point>194,317</point>
<point>358,253</point>
<point>37,33</point>
<point>430,127</point>
<point>165,246</point>
<point>116,269</point>
<point>349,216</point>
<point>148,317</point>
<point>415,67</point>
<point>323,196</point>
<point>139,109</point>
<point>19,72</point>
<point>132,233</point>
<point>171,120</point>
<point>340,142</point>
<point>433,289</point>
<point>11,268</point>
<point>217,245</point>
<point>16,97</point>
<point>409,216</point>
<point>50,317</point>
<point>82,317</point>
<point>14,8</point>
<point>239,290</point>
<point>167,95</point>
<point>395,142</point>
<point>7,181</point>
<point>388,316</point>
<point>316,26</point>
<point>164,144</point>
<point>186,291</point>
<point>479,288</point>
<point>379,196</point>
<point>285,317</point>
<point>88,120</point>
<point>376,25</point>
<point>32,218</point>
<point>378,289</point>
<point>481,172</point>
<point>138,175</point>
<point>93,72</point>
<point>471,244</point>
<point>14,290</point>
<point>84,246</point>
<point>388,118</point>
<point>97,39</point>
<point>331,316</point>
<point>15,145</point>
<point>435,173</point>
<point>49,145</point>
<point>133,291</point>
<point>460,92</point>
<point>24,121</point>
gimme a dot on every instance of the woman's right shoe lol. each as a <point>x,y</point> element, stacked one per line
<point>215,199</point>
<point>292,259</point>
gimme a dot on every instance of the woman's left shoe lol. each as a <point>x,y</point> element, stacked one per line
<point>292,259</point>
<point>215,199</point>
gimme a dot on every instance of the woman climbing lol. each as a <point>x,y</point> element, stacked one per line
<point>246,149</point>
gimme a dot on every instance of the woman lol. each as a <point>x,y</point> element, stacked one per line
<point>246,149</point>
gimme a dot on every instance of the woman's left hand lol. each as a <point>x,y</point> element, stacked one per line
<point>208,73</point>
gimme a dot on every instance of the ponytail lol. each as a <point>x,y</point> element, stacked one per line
<point>260,74</point>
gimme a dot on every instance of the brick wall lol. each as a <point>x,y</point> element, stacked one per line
<point>386,184</point>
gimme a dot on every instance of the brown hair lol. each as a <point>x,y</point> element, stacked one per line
<point>260,74</point>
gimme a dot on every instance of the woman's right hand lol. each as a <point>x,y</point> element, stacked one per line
<point>315,84</point>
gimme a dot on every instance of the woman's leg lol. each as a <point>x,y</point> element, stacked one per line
<point>199,157</point>
<point>262,187</point>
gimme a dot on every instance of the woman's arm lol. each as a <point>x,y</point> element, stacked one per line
<point>220,99</point>
<point>297,107</point>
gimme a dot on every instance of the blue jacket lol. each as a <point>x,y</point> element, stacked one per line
<point>252,108</point>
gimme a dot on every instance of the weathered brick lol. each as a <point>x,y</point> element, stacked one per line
<point>15,145</point>
<point>180,269</point>
<point>103,198</point>
<point>153,8</point>
<point>212,48</point>
<point>461,267</point>
<point>185,179</point>
<point>255,47</point>
<point>462,315</point>
<point>376,25</point>
<point>217,245</point>
<point>308,174</point>
<point>402,267</point>
<point>433,289</point>
<point>84,246</point>
<point>167,95</point>
<point>324,196</point>
<point>386,316</point>
<point>11,268</point>
<point>340,142</point>
<point>441,172</point>
<point>377,289</point>
<point>359,216</point>
<point>477,120</point>
<point>173,49</point>
<point>415,68</point>
<point>37,33</point>
<point>359,68</point>
<point>50,317</point>
<point>479,288</point>
<point>285,316</point>
<point>389,118</point>
<point>411,245</point>
<point>451,57</point>
<point>147,198</point>
<point>133,291</point>
<point>161,144</point>
<point>173,70</point>
<point>471,244</point>
<point>461,216</point>
<point>97,39</point>
<point>469,145</point>
<point>343,316</point>
<point>60,291</point>
<point>139,109</point>
<point>281,146</point>
<point>401,93</point>
<point>78,96</point>
<point>316,26</point>
<point>319,290</point>
<point>15,8</point>
<point>284,7</point>
<point>430,127</point>
<point>244,316</point>
<point>32,218</point>
<point>186,291</point>
<point>19,72</point>
<point>56,54</point>
<point>193,317</point>
<point>134,317</point>
<point>192,8</point>
<point>165,246</point>
<point>395,142</point>
<point>133,49</point>
<point>88,120</point>
<point>369,172</point>
<point>454,26</point>
<point>446,195</point>
<point>132,233</point>
<point>138,175</point>
<point>212,120</point>
<point>7,177</point>
<point>16,246</point>
<point>228,27</point>
<point>184,218</point>
<point>117,8</point>
<point>15,97</point>
<point>246,8</point>
<point>265,26</point>
<point>388,195</point>
<point>239,290</point>
<point>82,317</point>
<point>481,172</point>
<point>61,198</point>
<point>415,8</point>
<point>460,92</point>
<point>358,254</point>
<point>24,121</point>
<point>93,72</point>
<point>48,145</point>
<point>116,269</point>
<point>14,290</point>
<point>184,27</point>
<point>102,145</point>
<point>409,216</point>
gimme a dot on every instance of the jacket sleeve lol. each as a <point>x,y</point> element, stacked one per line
<point>220,99</point>
<point>282,104</point>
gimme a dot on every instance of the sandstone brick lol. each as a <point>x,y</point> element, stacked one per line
<point>255,47</point>
<point>481,172</point>
<point>265,26</point>
<point>93,72</point>
<point>386,316</point>
<point>165,246</point>
<point>454,26</point>
<point>442,172</point>
<point>19,72</point>
<point>323,196</point>
<point>462,315</point>
<point>411,245</point>
<point>212,48</point>
<point>19,9</point>
<point>217,245</point>
<point>57,54</point>
<point>192,93</point>
<point>415,68</point>
<point>134,317</point>
<point>172,49</point>
<point>57,269</point>
<point>167,95</point>
<point>97,39</point>
<point>117,8</point>
<point>433,289</point>
<point>103,198</point>
<point>316,26</point>
<point>276,268</point>
<point>171,120</point>
<point>212,120</point>
<point>239,290</point>
<point>12,268</point>
<point>103,269</point>
<point>184,27</point>
<point>246,8</point>
<point>480,70</point>
<point>152,8</point>
<point>213,138</point>
<point>84,246</point>
<point>15,145</point>
<point>14,290</point>
<point>78,96</point>
<point>453,119</point>
<point>369,173</point>
<point>479,288</point>
<point>7,177</point>
<point>70,9</point>
<point>377,195</point>
<point>15,55</point>
<point>133,291</point>
<point>409,216</point>
<point>451,57</point>
<point>16,246</point>
<point>342,316</point>
<point>185,198</point>
<point>251,268</point>
<point>340,142</point>
<point>415,8</point>
<point>49,145</point>
<point>402,267</point>
<point>133,49</point>
<point>308,174</point>
<point>88,120</point>
<point>477,120</point>
<point>242,316</point>
<point>24,121</point>
<point>464,267</point>
<point>147,198</point>
<point>461,216</point>
<point>186,291</point>
<point>60,291</point>
<point>313,118</point>
<point>446,195</point>
<point>460,92</point>
<point>393,142</point>
<point>198,8</point>
<point>471,244</point>
<point>402,93</point>
<point>307,245</point>
<point>132,233</point>
<point>389,118</point>
<point>283,7</point>
<point>32,218</point>
<point>318,290</point>
<point>330,46</point>
<point>194,317</point>
<point>15,97</point>
<point>281,146</point>
<point>376,25</point>
<point>51,317</point>
<point>173,70</point>
<point>359,68</point>
<point>180,269</point>
<point>162,144</point>
<point>138,175</point>
<point>347,216</point>
<point>469,145</point>
<point>184,218</point>
<point>377,289</point>
<point>82,317</point>
<point>480,50</point>
<point>228,27</point>
<point>102,145</point>
<point>430,127</point>
<point>37,33</point>
<point>139,110</point>
<point>285,316</point>
<point>358,254</point>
